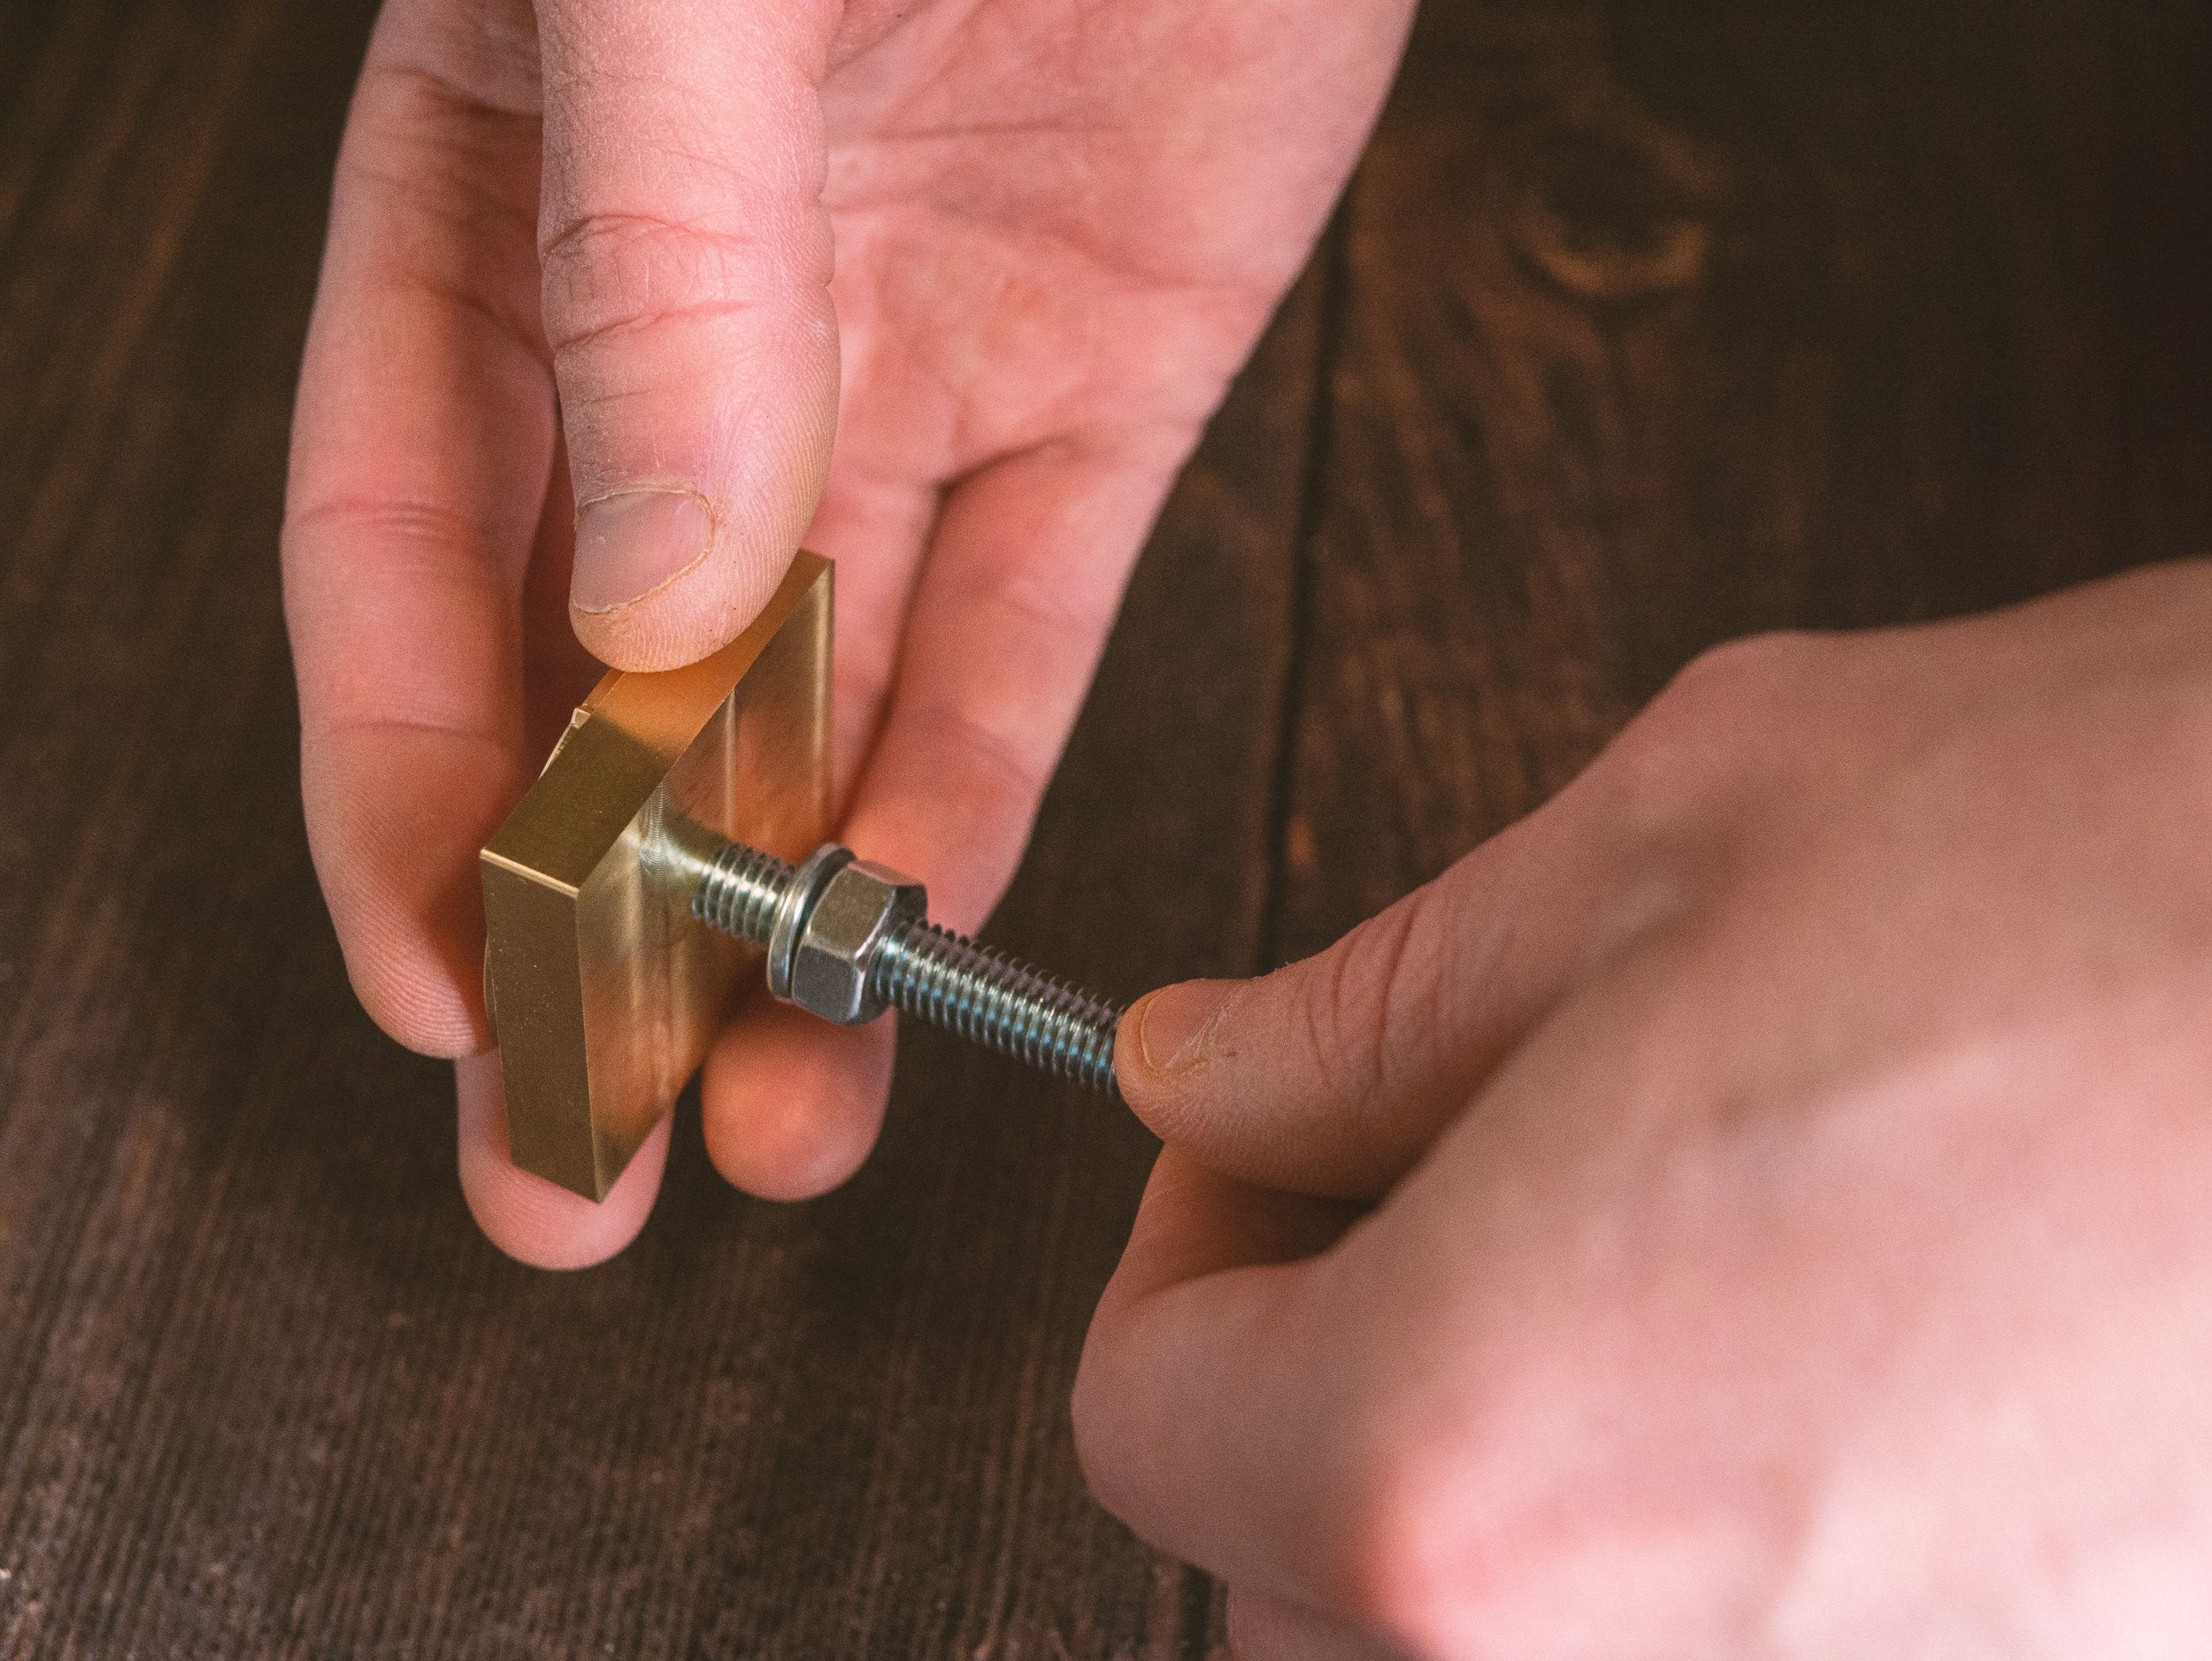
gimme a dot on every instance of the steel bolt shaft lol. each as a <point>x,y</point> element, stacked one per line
<point>910,963</point>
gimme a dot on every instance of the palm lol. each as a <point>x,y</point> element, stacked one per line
<point>1048,257</point>
<point>1052,255</point>
<point>1009,227</point>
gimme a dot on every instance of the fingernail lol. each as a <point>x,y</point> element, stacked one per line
<point>1173,1023</point>
<point>632,543</point>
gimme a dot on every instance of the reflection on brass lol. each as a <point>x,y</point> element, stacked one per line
<point>604,989</point>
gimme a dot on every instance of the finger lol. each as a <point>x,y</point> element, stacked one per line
<point>790,1104</point>
<point>686,261</point>
<point>1008,615</point>
<point>1200,1403</point>
<point>1264,1628</point>
<point>421,444</point>
<point>875,530</point>
<point>532,1220</point>
<point>1007,620</point>
<point>1240,1401</point>
<point>557,673</point>
<point>1334,1074</point>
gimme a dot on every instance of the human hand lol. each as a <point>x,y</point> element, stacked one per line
<point>1755,1206</point>
<point>597,243</point>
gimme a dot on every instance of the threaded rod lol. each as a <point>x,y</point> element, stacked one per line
<point>995,1001</point>
<point>740,891</point>
<point>945,979</point>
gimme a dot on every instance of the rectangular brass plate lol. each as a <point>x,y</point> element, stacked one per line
<point>604,991</point>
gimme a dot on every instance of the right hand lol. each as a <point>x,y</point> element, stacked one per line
<point>1753,1207</point>
<point>596,242</point>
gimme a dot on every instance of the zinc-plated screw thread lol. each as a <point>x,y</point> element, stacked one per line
<point>1000,1002</point>
<point>739,893</point>
<point>946,978</point>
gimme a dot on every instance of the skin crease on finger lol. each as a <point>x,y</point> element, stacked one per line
<point>1826,1273</point>
<point>1047,237</point>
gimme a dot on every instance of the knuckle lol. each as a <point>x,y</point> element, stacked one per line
<point>1002,771</point>
<point>607,273</point>
<point>398,1001</point>
<point>1350,1007</point>
<point>1401,1541</point>
<point>402,535</point>
<point>1664,781</point>
<point>1737,672</point>
<point>1105,1414</point>
<point>401,880</point>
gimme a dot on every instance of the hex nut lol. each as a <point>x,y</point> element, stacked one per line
<point>857,908</point>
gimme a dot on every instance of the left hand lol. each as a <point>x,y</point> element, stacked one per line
<point>1756,1206</point>
<point>603,277</point>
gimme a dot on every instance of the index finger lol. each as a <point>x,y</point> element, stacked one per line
<point>424,449</point>
<point>1204,1413</point>
<point>422,445</point>
<point>1302,1404</point>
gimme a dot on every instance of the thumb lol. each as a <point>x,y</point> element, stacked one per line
<point>1332,1076</point>
<point>686,257</point>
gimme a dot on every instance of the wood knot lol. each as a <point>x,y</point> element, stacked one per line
<point>1612,205</point>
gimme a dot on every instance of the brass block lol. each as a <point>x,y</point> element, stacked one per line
<point>604,990</point>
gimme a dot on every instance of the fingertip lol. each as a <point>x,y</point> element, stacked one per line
<point>531,1220</point>
<point>693,614</point>
<point>792,1106</point>
<point>725,569</point>
<point>666,572</point>
<point>1169,1032</point>
<point>1164,1041</point>
<point>415,958</point>
<point>414,996</point>
<point>1132,1074</point>
<point>395,819</point>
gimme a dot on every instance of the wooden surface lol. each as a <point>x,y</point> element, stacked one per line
<point>1640,328</point>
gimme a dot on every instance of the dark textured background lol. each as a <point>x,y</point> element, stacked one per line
<point>1642,327</point>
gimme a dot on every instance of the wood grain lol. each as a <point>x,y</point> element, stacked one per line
<point>1664,327</point>
<point>1637,331</point>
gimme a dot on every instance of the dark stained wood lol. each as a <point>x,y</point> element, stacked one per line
<point>1641,327</point>
<point>1665,324</point>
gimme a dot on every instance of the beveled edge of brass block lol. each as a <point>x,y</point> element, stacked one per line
<point>603,991</point>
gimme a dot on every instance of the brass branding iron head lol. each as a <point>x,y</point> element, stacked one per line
<point>604,989</point>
